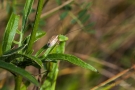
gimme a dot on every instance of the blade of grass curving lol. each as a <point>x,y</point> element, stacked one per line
<point>10,32</point>
<point>11,57</point>
<point>13,51</point>
<point>17,70</point>
<point>71,59</point>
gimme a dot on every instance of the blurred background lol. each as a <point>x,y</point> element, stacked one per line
<point>100,32</point>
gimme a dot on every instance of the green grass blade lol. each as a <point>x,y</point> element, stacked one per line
<point>39,34</point>
<point>12,51</point>
<point>71,59</point>
<point>10,32</point>
<point>26,12</point>
<point>12,68</point>
<point>11,57</point>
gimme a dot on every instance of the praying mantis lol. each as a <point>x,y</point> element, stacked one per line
<point>56,42</point>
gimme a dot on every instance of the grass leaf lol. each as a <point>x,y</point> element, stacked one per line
<point>10,57</point>
<point>12,51</point>
<point>39,34</point>
<point>10,32</point>
<point>71,59</point>
<point>17,70</point>
<point>26,12</point>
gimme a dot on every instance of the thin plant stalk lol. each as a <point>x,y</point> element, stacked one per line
<point>18,81</point>
<point>35,28</point>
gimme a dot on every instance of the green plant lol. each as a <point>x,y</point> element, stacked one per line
<point>47,58</point>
